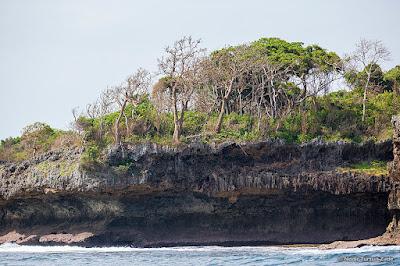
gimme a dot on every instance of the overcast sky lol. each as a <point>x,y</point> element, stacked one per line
<point>55,55</point>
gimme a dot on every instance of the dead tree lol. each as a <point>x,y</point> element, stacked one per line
<point>226,69</point>
<point>106,104</point>
<point>368,53</point>
<point>129,92</point>
<point>179,66</point>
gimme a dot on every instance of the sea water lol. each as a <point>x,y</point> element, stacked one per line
<point>13,254</point>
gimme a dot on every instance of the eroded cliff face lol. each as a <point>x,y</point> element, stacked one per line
<point>150,195</point>
<point>394,196</point>
<point>392,233</point>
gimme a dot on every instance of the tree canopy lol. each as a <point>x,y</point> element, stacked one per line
<point>268,88</point>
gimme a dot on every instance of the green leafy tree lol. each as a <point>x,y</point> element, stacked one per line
<point>294,73</point>
<point>393,79</point>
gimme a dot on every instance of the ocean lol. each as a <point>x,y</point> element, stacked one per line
<point>13,254</point>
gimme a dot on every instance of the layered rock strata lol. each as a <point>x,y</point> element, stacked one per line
<point>198,194</point>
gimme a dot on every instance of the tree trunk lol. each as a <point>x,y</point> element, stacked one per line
<point>304,121</point>
<point>224,102</point>
<point>177,129</point>
<point>274,102</point>
<point>177,133</point>
<point>217,128</point>
<point>278,125</point>
<point>240,103</point>
<point>364,105</point>
<point>127,125</point>
<point>365,98</point>
<point>101,128</point>
<point>258,116</point>
<point>117,134</point>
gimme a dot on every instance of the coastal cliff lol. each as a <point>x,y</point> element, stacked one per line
<point>394,196</point>
<point>392,233</point>
<point>229,194</point>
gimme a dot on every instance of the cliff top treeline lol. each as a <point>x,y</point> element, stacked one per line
<point>269,88</point>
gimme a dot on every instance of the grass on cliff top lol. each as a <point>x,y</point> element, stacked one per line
<point>371,168</point>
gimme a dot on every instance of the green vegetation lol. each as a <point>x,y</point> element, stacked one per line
<point>335,116</point>
<point>36,139</point>
<point>269,88</point>
<point>121,169</point>
<point>370,168</point>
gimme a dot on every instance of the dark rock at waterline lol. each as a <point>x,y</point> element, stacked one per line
<point>180,218</point>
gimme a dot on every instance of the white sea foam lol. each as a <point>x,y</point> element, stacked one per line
<point>11,247</point>
<point>15,248</point>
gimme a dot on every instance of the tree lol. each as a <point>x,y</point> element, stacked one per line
<point>93,110</point>
<point>311,68</point>
<point>368,54</point>
<point>289,73</point>
<point>106,105</point>
<point>180,67</point>
<point>271,90</point>
<point>393,78</point>
<point>131,91</point>
<point>34,136</point>
<point>226,68</point>
<point>161,96</point>
<point>377,81</point>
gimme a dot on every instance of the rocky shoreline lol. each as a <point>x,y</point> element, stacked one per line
<point>392,234</point>
<point>199,194</point>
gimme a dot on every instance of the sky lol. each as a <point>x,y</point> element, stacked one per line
<point>59,54</point>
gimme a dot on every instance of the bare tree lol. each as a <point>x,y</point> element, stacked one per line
<point>161,96</point>
<point>76,114</point>
<point>269,94</point>
<point>180,66</point>
<point>368,53</point>
<point>76,125</point>
<point>129,92</point>
<point>93,109</point>
<point>226,68</point>
<point>106,103</point>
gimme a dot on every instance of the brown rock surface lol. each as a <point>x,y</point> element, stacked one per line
<point>65,238</point>
<point>16,238</point>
